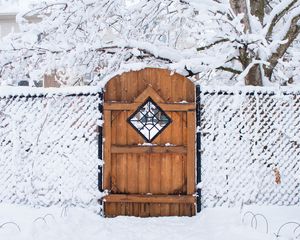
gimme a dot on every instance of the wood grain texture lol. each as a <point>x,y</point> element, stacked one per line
<point>161,80</point>
<point>114,209</point>
<point>136,198</point>
<point>107,149</point>
<point>149,180</point>
<point>148,149</point>
<point>191,138</point>
<point>174,107</point>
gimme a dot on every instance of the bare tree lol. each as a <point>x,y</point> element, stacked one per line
<point>219,41</point>
<point>285,11</point>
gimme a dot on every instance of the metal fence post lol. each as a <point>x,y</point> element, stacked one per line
<point>198,144</point>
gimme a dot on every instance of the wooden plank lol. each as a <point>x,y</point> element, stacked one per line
<point>166,165</point>
<point>171,107</point>
<point>155,174</point>
<point>143,184</point>
<point>165,209</point>
<point>184,159</point>
<point>166,168</point>
<point>114,184</point>
<point>190,165</point>
<point>123,88</point>
<point>132,160</point>
<point>187,209</point>
<point>132,90</point>
<point>144,210</point>
<point>132,173</point>
<point>107,150</point>
<point>133,137</point>
<point>184,174</point>
<point>154,209</point>
<point>114,157</point>
<point>122,159</point>
<point>174,209</point>
<point>178,180</point>
<point>111,90</point>
<point>148,149</point>
<point>182,210</point>
<point>190,91</point>
<point>136,209</point>
<point>166,173</point>
<point>129,211</point>
<point>177,128</point>
<point>184,128</point>
<point>165,85</point>
<point>111,209</point>
<point>139,198</point>
<point>154,181</point>
<point>123,209</point>
<point>176,88</point>
<point>142,83</point>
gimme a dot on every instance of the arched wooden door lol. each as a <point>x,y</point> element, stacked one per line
<point>149,144</point>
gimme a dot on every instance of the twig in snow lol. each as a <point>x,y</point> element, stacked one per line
<point>287,224</point>
<point>40,218</point>
<point>254,222</point>
<point>44,218</point>
<point>295,230</point>
<point>263,217</point>
<point>11,223</point>
<point>64,211</point>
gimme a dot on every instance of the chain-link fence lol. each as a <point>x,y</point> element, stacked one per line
<point>48,148</point>
<point>250,146</point>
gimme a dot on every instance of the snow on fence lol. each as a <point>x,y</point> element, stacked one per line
<point>48,146</point>
<point>250,146</point>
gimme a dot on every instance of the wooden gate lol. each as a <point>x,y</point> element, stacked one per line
<point>149,144</point>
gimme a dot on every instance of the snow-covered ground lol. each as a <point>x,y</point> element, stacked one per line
<point>79,224</point>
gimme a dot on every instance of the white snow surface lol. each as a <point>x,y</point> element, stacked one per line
<point>79,224</point>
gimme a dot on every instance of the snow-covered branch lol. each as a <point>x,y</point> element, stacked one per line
<point>212,38</point>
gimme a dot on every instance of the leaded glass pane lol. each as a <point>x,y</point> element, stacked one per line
<point>149,120</point>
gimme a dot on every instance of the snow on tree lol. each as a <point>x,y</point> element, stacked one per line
<point>217,41</point>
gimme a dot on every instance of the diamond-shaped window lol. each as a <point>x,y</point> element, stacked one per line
<point>149,120</point>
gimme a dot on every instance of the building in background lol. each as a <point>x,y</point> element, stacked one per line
<point>8,12</point>
<point>8,24</point>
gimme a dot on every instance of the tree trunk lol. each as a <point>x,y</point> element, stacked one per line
<point>240,6</point>
<point>254,76</point>
<point>258,9</point>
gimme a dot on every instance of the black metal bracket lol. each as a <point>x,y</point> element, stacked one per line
<point>100,143</point>
<point>198,144</point>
